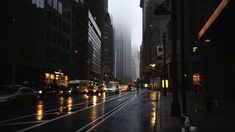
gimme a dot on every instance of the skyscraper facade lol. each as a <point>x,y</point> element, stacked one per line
<point>122,44</point>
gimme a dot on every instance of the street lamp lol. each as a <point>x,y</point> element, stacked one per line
<point>152,65</point>
<point>164,64</point>
<point>175,106</point>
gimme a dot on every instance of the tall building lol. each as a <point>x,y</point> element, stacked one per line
<point>135,63</point>
<point>35,42</point>
<point>122,44</point>
<point>44,41</point>
<point>99,9</point>
<point>86,44</point>
<point>108,50</point>
<point>157,32</point>
<point>190,16</point>
<point>147,11</point>
<point>215,45</point>
<point>156,29</point>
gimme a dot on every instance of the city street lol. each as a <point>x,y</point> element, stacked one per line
<point>117,66</point>
<point>128,111</point>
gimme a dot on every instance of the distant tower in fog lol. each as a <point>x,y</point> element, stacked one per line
<point>122,47</point>
<point>135,63</point>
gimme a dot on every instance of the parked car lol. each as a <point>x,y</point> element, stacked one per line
<point>49,90</point>
<point>19,95</point>
<point>112,89</point>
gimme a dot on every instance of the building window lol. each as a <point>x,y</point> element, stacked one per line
<point>38,3</point>
<point>49,2</point>
<point>60,9</point>
<point>197,79</point>
<point>55,2</point>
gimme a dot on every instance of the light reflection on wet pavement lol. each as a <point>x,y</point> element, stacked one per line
<point>96,106</point>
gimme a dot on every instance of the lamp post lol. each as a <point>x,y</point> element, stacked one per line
<point>175,106</point>
<point>183,75</point>
<point>153,74</point>
<point>164,64</point>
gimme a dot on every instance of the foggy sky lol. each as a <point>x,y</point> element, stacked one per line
<point>128,12</point>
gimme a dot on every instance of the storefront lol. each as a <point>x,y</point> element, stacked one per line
<point>56,77</point>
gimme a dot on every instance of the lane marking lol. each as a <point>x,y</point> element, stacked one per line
<point>113,109</point>
<point>20,117</point>
<point>22,123</point>
<point>62,116</point>
<point>110,115</point>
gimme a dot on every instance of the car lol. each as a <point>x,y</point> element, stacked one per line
<point>49,90</point>
<point>19,95</point>
<point>102,88</point>
<point>123,87</point>
<point>93,89</point>
<point>69,91</point>
<point>82,85</point>
<point>112,89</point>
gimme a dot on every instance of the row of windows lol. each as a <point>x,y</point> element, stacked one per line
<point>58,22</point>
<point>56,38</point>
<point>39,3</point>
<point>96,67</point>
<point>97,57</point>
<point>93,38</point>
<point>57,5</point>
<point>96,43</point>
<point>93,31</point>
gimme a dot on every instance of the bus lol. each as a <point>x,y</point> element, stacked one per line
<point>81,85</point>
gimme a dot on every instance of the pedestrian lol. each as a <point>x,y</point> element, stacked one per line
<point>137,88</point>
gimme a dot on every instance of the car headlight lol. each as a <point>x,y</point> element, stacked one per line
<point>40,91</point>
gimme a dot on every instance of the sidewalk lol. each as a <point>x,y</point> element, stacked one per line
<point>221,119</point>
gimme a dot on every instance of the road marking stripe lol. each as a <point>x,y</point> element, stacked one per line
<point>81,129</point>
<point>20,117</point>
<point>22,123</point>
<point>62,116</point>
<point>111,114</point>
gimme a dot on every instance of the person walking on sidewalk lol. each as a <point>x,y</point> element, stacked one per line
<point>137,88</point>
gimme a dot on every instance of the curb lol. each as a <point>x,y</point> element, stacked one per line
<point>158,113</point>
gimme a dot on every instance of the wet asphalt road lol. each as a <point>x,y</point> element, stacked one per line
<point>126,112</point>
